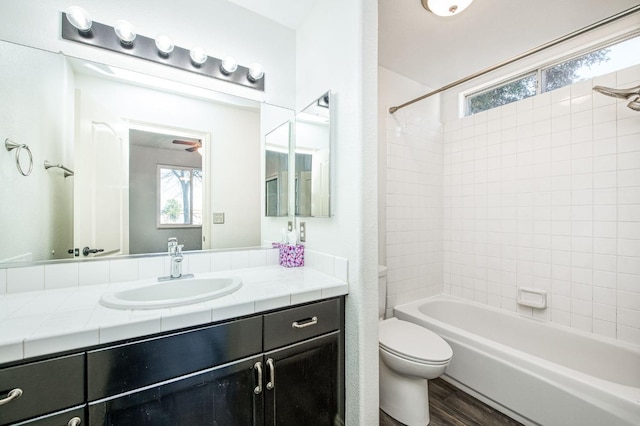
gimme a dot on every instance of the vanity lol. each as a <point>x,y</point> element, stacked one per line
<point>283,366</point>
<point>270,351</point>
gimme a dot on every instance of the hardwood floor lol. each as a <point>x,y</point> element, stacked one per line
<point>449,406</point>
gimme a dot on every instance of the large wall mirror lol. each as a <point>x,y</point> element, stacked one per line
<point>113,129</point>
<point>313,159</point>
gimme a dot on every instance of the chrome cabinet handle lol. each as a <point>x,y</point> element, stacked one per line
<point>13,394</point>
<point>298,324</point>
<point>272,374</point>
<point>74,421</point>
<point>258,389</point>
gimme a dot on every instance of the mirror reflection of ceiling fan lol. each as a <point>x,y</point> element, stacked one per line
<point>194,146</point>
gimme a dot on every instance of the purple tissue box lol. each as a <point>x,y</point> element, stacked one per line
<point>291,256</point>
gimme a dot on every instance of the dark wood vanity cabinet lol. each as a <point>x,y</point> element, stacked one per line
<point>43,393</point>
<point>280,368</point>
<point>303,362</point>
<point>306,384</point>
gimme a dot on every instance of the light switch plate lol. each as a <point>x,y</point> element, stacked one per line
<point>290,226</point>
<point>218,218</point>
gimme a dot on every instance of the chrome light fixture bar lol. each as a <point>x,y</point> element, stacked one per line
<point>157,50</point>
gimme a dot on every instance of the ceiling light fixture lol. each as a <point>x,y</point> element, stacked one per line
<point>79,18</point>
<point>78,27</point>
<point>446,7</point>
<point>125,32</point>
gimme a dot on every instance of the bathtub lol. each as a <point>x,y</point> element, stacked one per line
<point>533,371</point>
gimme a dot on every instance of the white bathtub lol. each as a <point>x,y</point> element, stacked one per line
<point>536,372</point>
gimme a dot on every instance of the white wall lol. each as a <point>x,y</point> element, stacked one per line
<point>27,117</point>
<point>545,193</point>
<point>336,50</point>
<point>410,190</point>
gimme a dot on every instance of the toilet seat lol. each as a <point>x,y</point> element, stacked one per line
<point>412,342</point>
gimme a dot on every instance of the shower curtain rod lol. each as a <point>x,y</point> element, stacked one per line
<point>566,37</point>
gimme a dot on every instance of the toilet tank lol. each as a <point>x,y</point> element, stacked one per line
<point>382,290</point>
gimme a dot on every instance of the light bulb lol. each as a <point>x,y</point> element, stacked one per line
<point>79,18</point>
<point>198,55</point>
<point>164,44</point>
<point>125,32</point>
<point>256,72</point>
<point>446,7</point>
<point>229,65</point>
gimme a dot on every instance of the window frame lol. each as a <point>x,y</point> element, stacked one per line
<point>498,85</point>
<point>158,212</point>
<point>540,68</point>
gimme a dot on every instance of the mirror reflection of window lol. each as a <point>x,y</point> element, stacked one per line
<point>180,196</point>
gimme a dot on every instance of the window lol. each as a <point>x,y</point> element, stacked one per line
<point>592,64</point>
<point>179,196</point>
<point>515,90</point>
<point>588,65</point>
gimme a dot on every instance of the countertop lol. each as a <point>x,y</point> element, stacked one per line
<point>36,323</point>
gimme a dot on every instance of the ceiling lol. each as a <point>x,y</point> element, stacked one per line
<point>436,51</point>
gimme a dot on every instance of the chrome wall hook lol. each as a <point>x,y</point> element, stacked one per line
<point>10,145</point>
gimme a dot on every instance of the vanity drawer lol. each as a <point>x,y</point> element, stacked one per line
<point>47,386</point>
<point>118,369</point>
<point>301,323</point>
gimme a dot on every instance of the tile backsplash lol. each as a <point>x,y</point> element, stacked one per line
<point>102,271</point>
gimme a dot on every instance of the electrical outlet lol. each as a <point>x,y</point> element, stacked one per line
<point>290,226</point>
<point>303,232</point>
<point>218,218</point>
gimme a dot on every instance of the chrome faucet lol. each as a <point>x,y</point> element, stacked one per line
<point>175,253</point>
<point>172,243</point>
<point>176,262</point>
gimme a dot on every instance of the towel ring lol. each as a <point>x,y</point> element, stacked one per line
<point>10,145</point>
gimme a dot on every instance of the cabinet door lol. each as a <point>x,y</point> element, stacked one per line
<point>303,384</point>
<point>223,395</point>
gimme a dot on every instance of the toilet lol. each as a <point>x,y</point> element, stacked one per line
<point>409,356</point>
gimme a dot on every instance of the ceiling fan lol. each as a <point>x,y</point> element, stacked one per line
<point>194,145</point>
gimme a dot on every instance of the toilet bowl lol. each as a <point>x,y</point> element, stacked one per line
<point>409,356</point>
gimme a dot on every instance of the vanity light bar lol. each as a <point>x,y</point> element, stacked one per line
<point>104,37</point>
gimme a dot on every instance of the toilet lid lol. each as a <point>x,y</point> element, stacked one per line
<point>413,342</point>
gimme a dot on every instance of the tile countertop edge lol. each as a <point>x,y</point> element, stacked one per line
<point>280,291</point>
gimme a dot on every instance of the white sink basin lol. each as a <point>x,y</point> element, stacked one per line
<point>171,293</point>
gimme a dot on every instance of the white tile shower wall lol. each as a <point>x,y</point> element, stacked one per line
<point>72,274</point>
<point>413,207</point>
<point>545,193</point>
